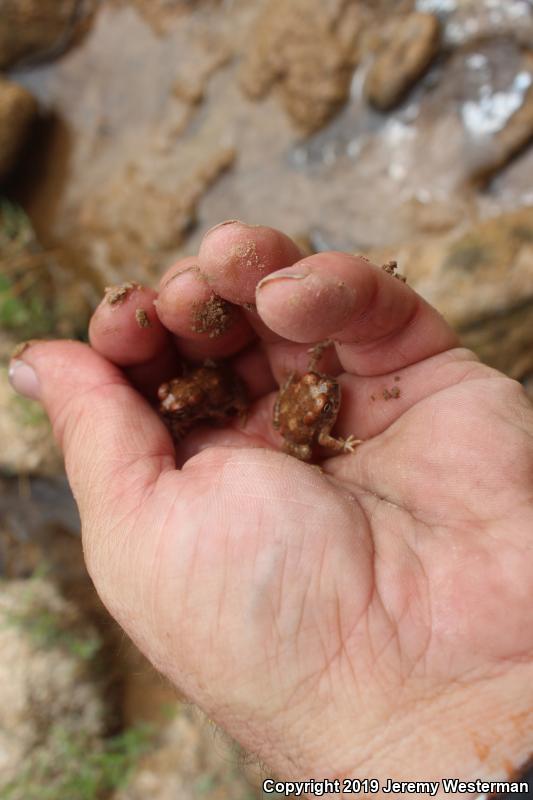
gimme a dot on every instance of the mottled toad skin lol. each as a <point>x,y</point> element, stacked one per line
<point>306,410</point>
<point>211,393</point>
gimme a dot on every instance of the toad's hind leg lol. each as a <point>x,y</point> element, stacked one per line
<point>341,445</point>
<point>317,352</point>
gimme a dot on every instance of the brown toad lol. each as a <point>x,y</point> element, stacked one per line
<point>306,410</point>
<point>210,393</point>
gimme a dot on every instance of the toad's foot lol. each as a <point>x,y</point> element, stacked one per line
<point>348,445</point>
<point>351,444</point>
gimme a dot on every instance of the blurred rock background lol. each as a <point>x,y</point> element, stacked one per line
<point>396,128</point>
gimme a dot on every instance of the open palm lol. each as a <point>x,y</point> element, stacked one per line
<point>372,617</point>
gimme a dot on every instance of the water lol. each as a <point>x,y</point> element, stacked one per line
<point>123,136</point>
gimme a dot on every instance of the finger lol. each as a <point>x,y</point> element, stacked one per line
<point>253,366</point>
<point>148,377</point>
<point>115,334</point>
<point>234,257</point>
<point>205,325</point>
<point>203,438</point>
<point>126,330</point>
<point>370,405</point>
<point>115,445</point>
<point>260,432</point>
<point>429,461</point>
<point>379,323</point>
<point>287,357</point>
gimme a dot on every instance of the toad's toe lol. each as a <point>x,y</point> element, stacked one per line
<point>351,444</point>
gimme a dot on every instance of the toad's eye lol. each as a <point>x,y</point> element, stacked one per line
<point>326,408</point>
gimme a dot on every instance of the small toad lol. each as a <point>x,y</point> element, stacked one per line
<point>210,393</point>
<point>306,410</point>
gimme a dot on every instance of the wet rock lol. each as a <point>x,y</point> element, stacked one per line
<point>46,683</point>
<point>17,110</point>
<point>309,49</point>
<point>350,181</point>
<point>34,28</point>
<point>408,47</point>
<point>433,216</point>
<point>468,22</point>
<point>135,211</point>
<point>516,133</point>
<point>160,14</point>
<point>482,282</point>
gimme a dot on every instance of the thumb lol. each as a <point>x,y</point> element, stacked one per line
<point>114,444</point>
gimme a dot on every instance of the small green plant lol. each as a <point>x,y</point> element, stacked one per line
<point>204,783</point>
<point>169,711</point>
<point>48,630</point>
<point>23,312</point>
<point>26,307</point>
<point>28,412</point>
<point>16,231</point>
<point>75,768</point>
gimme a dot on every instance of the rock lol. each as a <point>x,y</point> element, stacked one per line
<point>34,27</point>
<point>17,110</point>
<point>433,216</point>
<point>308,48</point>
<point>136,210</point>
<point>46,682</point>
<point>482,282</point>
<point>39,529</point>
<point>515,134</point>
<point>160,14</point>
<point>409,45</point>
<point>466,23</point>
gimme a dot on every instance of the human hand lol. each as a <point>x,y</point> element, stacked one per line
<point>369,619</point>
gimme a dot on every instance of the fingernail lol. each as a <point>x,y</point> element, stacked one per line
<point>222,224</point>
<point>193,268</point>
<point>274,277</point>
<point>24,380</point>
